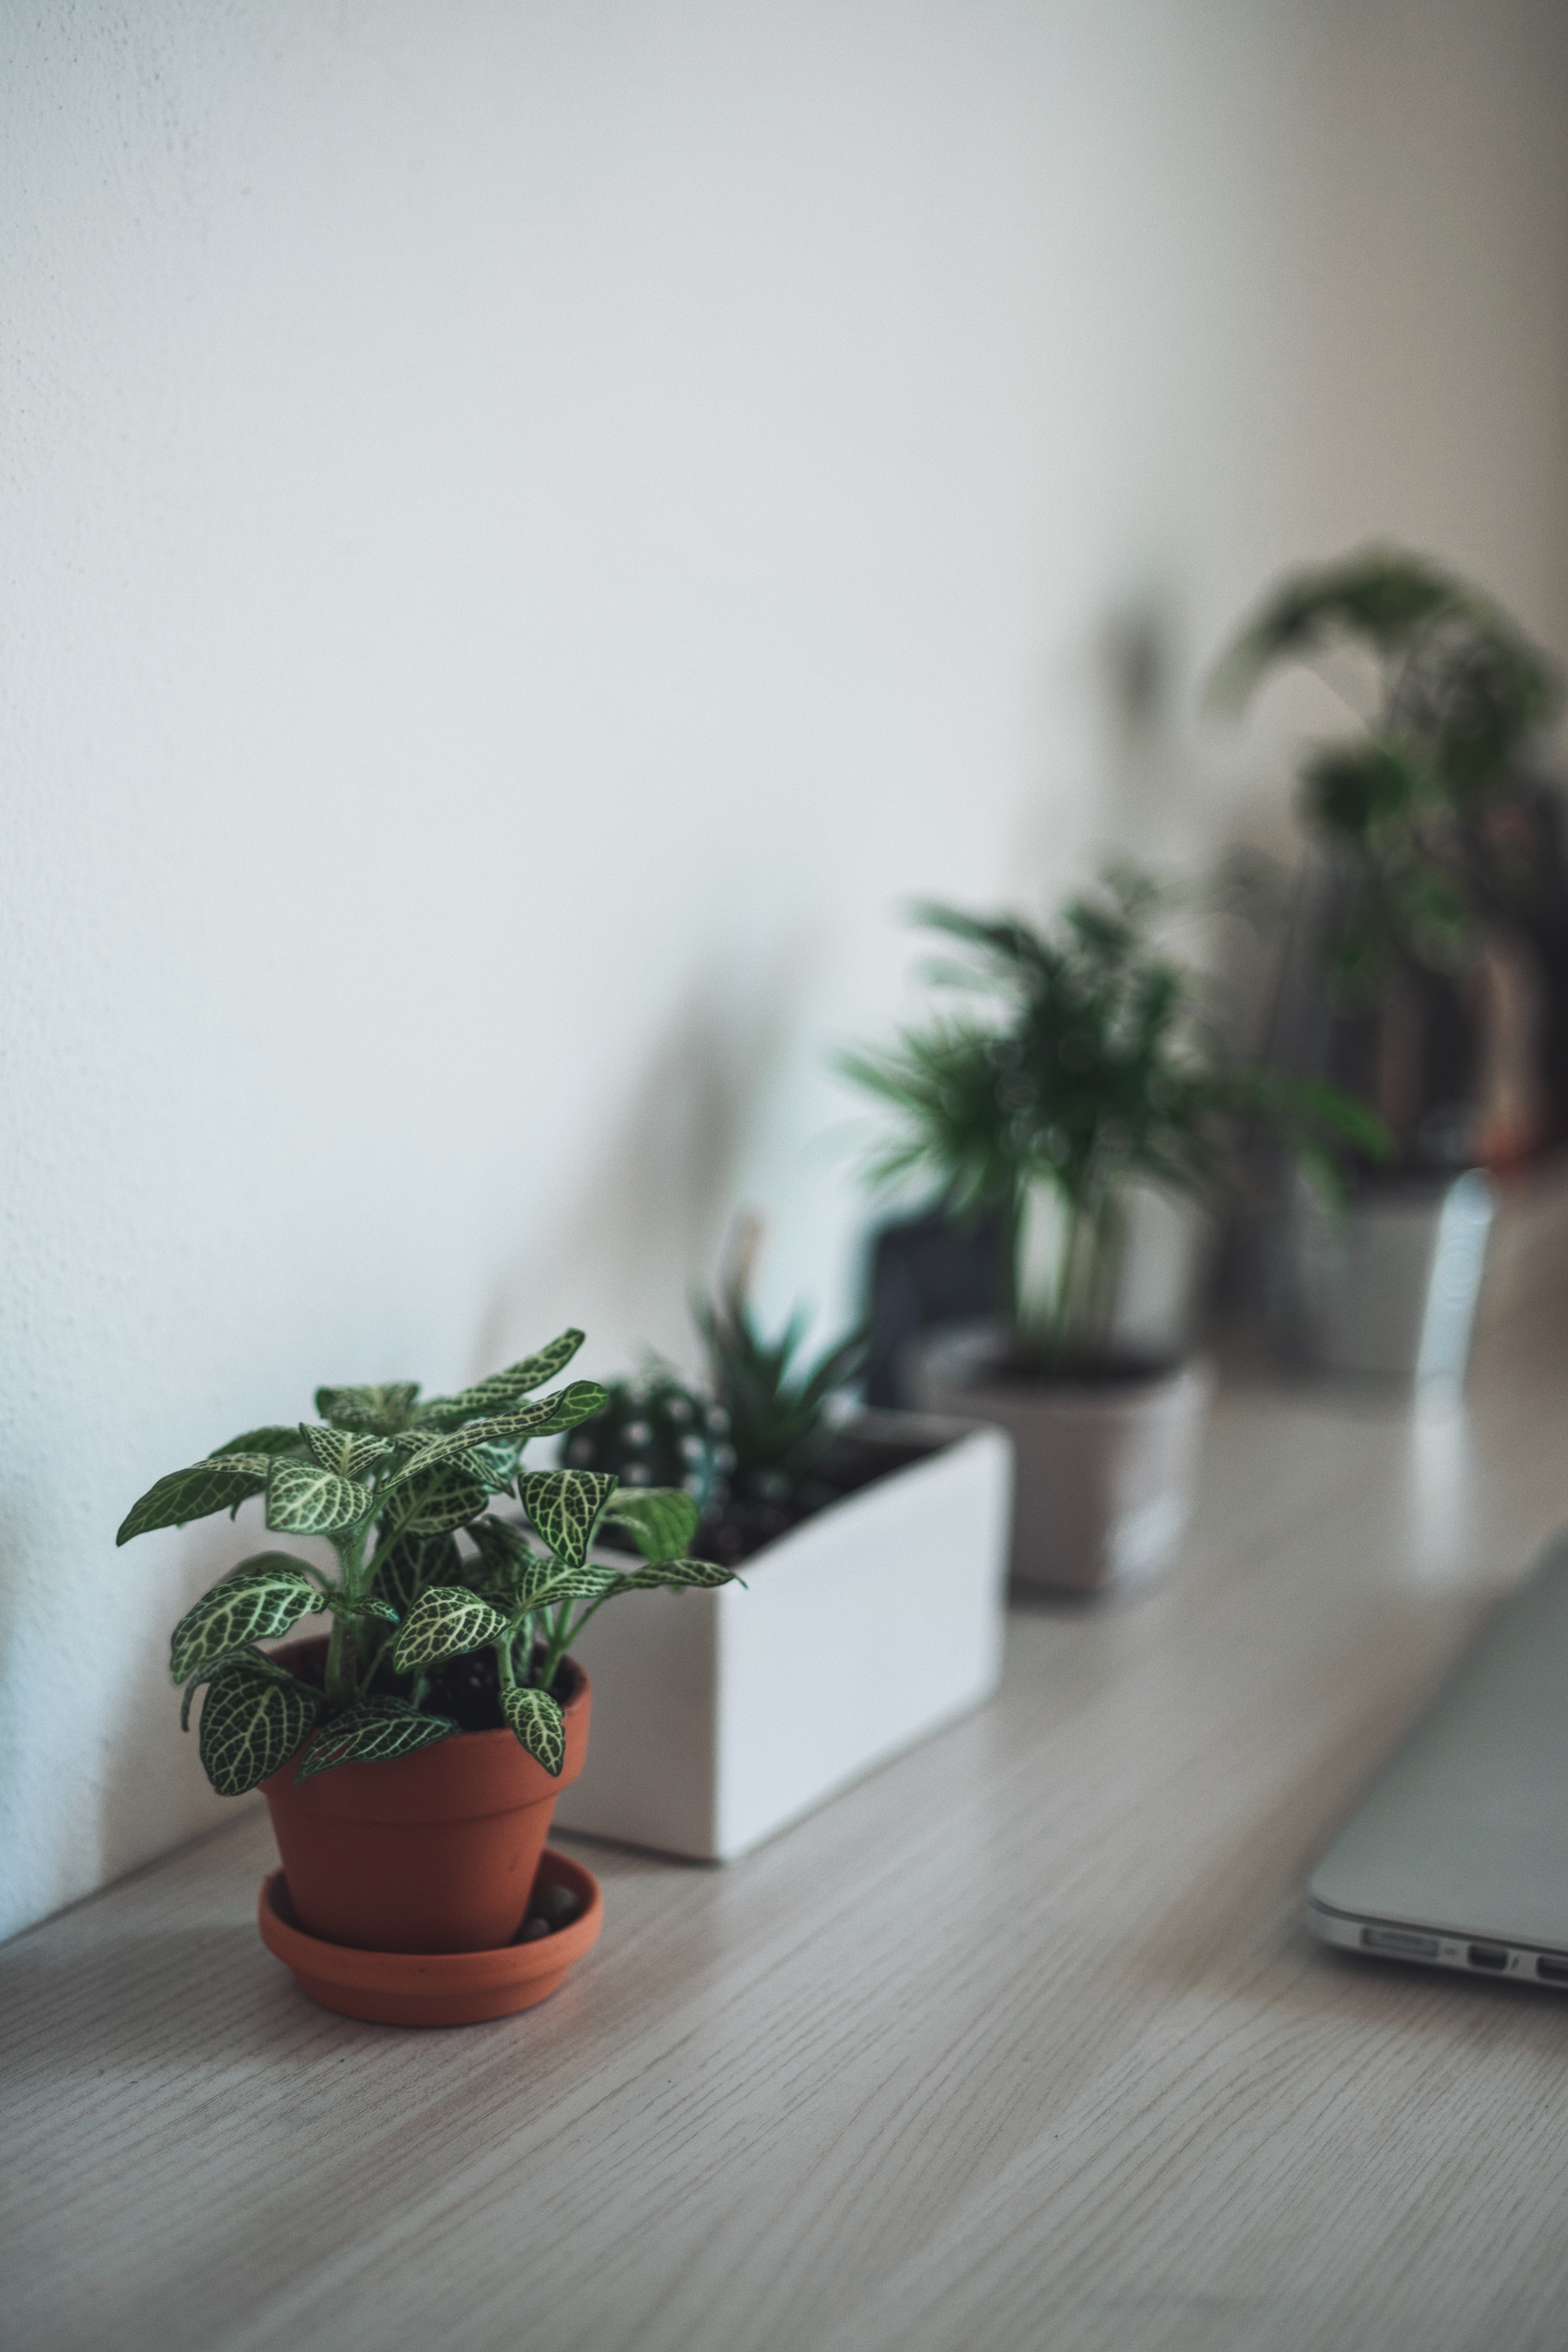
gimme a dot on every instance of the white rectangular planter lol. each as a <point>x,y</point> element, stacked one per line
<point>720,1716</point>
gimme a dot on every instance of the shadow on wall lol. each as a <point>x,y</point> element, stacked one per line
<point>649,1221</point>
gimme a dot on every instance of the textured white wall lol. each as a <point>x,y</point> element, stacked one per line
<point>525,532</point>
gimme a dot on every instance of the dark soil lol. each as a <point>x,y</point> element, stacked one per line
<point>740,1527</point>
<point>466,1689</point>
<point>1019,1367</point>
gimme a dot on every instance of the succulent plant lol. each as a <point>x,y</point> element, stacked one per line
<point>654,1431</point>
<point>777,1404</point>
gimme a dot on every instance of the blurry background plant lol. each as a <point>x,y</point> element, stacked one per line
<point>776,1399</point>
<point>760,1447</point>
<point>1418,867</point>
<point>1083,1064</point>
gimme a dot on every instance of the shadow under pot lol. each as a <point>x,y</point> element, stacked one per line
<point>435,1852</point>
<point>1107,1460</point>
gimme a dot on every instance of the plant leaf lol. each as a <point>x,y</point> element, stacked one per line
<point>341,1452</point>
<point>195,1493</point>
<point>503,1389</point>
<point>539,1725</point>
<point>384,1411</point>
<point>271,1440</point>
<point>446,1621</point>
<point>564,1506</point>
<point>542,1417</point>
<point>413,1562</point>
<point>505,1558</point>
<point>660,1520</point>
<point>252,1722</point>
<point>373,1732</point>
<point>432,1505</point>
<point>675,1574</point>
<point>256,1659</point>
<point>548,1581</point>
<point>255,1603</point>
<point>304,1499</point>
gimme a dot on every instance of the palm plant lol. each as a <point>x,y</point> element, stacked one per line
<point>1082,1064</point>
<point>1461,693</point>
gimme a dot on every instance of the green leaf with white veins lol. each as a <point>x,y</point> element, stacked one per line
<point>675,1575</point>
<point>384,1411</point>
<point>503,1389</point>
<point>195,1493</point>
<point>539,1725</point>
<point>542,1417</point>
<point>251,1724</point>
<point>271,1440</point>
<point>413,1562</point>
<point>564,1506</point>
<point>446,1621</point>
<point>432,1505</point>
<point>342,1451</point>
<point>547,1583</point>
<point>660,1520</point>
<point>373,1732</point>
<point>302,1499</point>
<point>255,1603</point>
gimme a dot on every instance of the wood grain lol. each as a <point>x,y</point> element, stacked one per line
<point>1021,2042</point>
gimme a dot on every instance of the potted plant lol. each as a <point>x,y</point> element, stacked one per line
<point>412,1755</point>
<point>873,1551</point>
<point>1389,984</point>
<point>1078,1066</point>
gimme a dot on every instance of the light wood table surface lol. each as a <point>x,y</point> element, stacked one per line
<point>1020,2044</point>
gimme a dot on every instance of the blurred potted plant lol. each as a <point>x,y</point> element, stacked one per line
<point>1391,987</point>
<point>872,1545</point>
<point>1079,1066</point>
<point>411,1757</point>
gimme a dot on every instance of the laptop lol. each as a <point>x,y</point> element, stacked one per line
<point>1460,1856</point>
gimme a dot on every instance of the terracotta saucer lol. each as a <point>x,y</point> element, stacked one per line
<point>434,1988</point>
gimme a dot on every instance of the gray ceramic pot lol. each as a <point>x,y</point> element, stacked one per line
<point>1105,1470</point>
<point>1387,1287</point>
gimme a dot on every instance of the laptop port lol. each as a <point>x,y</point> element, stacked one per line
<point>1399,1940</point>
<point>1487,1956</point>
<point>1554,1972</point>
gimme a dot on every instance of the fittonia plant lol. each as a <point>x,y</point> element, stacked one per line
<point>392,1482</point>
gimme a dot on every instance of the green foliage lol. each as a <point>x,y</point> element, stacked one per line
<point>776,1404</point>
<point>660,1520</point>
<point>256,1601</point>
<point>196,1493</point>
<point>252,1723</point>
<point>565,1505</point>
<point>1462,692</point>
<point>539,1724</point>
<point>392,1484</point>
<point>373,1732</point>
<point>302,1499</point>
<point>1082,1065</point>
<point>446,1621</point>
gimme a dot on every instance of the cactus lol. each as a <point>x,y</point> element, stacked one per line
<point>656,1432</point>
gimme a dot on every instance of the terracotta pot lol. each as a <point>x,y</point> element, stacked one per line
<point>433,1853</point>
<point>1106,1469</point>
<point>434,1988</point>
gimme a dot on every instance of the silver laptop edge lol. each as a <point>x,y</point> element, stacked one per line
<point>1458,1857</point>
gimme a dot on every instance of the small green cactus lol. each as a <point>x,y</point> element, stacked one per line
<point>656,1432</point>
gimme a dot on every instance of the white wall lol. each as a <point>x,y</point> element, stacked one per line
<point>526,530</point>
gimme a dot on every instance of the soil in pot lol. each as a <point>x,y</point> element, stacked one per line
<point>432,1853</point>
